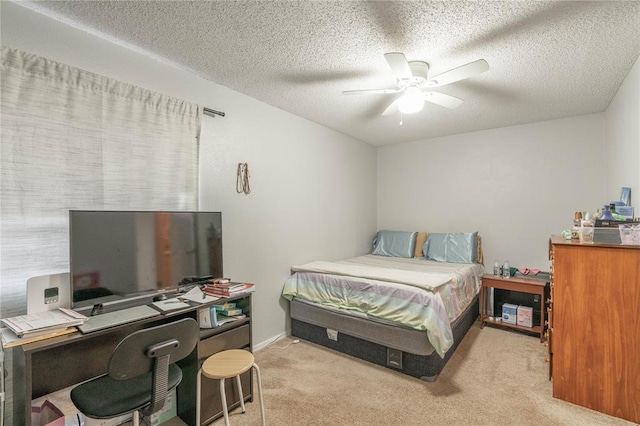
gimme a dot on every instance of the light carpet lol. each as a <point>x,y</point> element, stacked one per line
<point>495,377</point>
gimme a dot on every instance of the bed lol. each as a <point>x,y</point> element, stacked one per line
<point>406,305</point>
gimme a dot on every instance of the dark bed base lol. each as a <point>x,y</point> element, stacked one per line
<point>425,367</point>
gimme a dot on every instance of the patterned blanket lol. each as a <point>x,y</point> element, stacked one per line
<point>417,293</point>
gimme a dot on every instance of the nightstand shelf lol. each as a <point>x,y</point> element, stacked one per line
<point>520,284</point>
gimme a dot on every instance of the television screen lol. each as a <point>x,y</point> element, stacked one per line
<point>117,256</point>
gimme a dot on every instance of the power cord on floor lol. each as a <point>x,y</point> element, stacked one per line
<point>295,341</point>
<point>287,345</point>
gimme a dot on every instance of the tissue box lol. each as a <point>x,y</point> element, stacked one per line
<point>509,313</point>
<point>525,316</point>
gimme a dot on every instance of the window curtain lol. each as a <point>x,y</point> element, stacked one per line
<point>71,139</point>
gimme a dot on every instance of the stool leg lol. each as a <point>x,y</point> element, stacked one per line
<point>198,391</point>
<point>255,366</point>
<point>136,418</point>
<point>224,403</point>
<point>239,383</point>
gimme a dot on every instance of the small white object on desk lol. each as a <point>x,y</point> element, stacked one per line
<point>170,305</point>
<point>198,296</point>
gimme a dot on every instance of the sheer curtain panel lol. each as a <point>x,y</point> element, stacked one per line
<point>72,139</point>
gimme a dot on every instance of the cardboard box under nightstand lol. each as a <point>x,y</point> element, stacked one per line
<point>525,316</point>
<point>509,313</point>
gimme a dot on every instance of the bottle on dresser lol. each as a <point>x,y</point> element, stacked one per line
<point>506,270</point>
<point>497,271</point>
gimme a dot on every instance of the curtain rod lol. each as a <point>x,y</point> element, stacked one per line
<point>212,112</point>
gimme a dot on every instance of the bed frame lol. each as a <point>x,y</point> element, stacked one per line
<point>401,349</point>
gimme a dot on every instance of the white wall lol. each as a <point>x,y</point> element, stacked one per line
<point>313,189</point>
<point>515,185</point>
<point>312,197</point>
<point>623,139</point>
<point>314,194</point>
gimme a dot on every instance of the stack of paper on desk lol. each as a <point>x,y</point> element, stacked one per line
<point>29,328</point>
<point>43,322</point>
<point>9,338</point>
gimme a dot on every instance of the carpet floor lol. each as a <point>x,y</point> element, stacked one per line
<point>495,377</point>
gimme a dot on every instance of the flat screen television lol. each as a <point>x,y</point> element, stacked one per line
<point>124,256</point>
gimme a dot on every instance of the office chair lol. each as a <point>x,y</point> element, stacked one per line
<point>141,372</point>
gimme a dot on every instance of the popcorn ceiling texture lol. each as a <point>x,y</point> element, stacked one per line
<point>548,59</point>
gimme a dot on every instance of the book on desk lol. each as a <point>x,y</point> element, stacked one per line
<point>228,289</point>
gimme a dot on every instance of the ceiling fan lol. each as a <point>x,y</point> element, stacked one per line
<point>415,84</point>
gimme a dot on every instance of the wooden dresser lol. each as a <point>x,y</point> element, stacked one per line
<point>594,326</point>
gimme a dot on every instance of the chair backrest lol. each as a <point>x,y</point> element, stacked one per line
<point>153,350</point>
<point>129,358</point>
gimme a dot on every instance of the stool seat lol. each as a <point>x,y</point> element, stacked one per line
<point>227,364</point>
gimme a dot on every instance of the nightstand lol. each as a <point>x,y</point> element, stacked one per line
<point>520,284</point>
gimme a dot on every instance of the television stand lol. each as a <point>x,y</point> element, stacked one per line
<point>43,367</point>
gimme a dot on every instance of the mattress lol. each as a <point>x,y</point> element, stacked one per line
<point>387,334</point>
<point>411,294</point>
<point>424,367</point>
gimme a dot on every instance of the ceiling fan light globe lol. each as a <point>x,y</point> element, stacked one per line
<point>411,102</point>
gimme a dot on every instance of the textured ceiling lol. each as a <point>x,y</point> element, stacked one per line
<point>547,59</point>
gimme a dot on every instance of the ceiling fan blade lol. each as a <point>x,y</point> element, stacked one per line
<point>460,73</point>
<point>399,65</point>
<point>391,109</point>
<point>441,99</point>
<point>370,91</point>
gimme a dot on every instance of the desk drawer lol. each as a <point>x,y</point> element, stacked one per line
<point>236,338</point>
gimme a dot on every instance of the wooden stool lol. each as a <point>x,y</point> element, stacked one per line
<point>225,365</point>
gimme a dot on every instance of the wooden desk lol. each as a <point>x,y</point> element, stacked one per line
<point>521,284</point>
<point>46,366</point>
